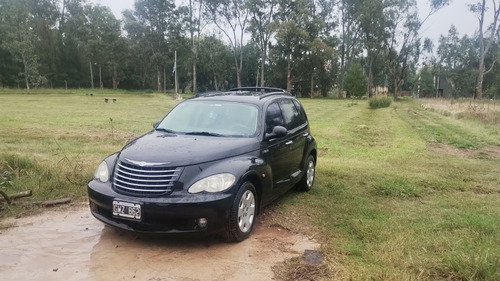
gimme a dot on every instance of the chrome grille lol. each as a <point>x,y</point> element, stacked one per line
<point>144,180</point>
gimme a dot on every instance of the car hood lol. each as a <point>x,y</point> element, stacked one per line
<point>160,148</point>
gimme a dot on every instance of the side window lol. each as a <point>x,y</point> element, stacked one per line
<point>302,112</point>
<point>292,116</point>
<point>273,117</point>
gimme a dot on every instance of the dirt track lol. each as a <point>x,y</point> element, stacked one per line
<point>73,245</point>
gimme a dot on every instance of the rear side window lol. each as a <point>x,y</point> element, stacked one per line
<point>292,116</point>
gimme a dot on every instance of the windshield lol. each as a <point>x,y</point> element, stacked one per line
<point>212,118</point>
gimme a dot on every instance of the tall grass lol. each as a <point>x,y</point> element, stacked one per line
<point>486,111</point>
<point>379,102</point>
<point>402,193</point>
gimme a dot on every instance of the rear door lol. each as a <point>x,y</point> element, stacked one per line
<point>296,139</point>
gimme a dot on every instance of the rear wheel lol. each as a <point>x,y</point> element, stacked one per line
<point>242,215</point>
<point>307,181</point>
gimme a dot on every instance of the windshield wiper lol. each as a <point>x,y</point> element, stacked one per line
<point>204,134</point>
<point>166,130</point>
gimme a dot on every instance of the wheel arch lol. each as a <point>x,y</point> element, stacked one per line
<point>257,183</point>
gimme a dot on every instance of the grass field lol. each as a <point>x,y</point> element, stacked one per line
<point>402,193</point>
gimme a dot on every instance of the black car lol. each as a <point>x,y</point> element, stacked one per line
<point>209,165</point>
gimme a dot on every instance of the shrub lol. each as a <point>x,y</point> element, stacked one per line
<point>379,102</point>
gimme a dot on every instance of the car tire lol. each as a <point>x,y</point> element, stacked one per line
<point>242,214</point>
<point>307,181</point>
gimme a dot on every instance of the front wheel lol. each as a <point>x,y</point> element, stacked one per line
<point>307,181</point>
<point>242,214</point>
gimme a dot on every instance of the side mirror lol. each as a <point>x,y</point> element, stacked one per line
<point>155,124</point>
<point>278,132</point>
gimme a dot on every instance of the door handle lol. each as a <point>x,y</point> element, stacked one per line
<point>305,134</point>
<point>288,142</point>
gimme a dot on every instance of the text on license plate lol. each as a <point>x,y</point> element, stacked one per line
<point>127,210</point>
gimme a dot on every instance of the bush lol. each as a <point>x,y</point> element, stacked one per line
<point>379,102</point>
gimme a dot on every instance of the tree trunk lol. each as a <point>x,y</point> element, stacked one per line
<point>194,75</point>
<point>289,75</point>
<point>238,70</point>
<point>158,76</point>
<point>396,88</point>
<point>262,68</point>
<point>115,78</point>
<point>370,74</point>
<point>342,72</point>
<point>311,93</point>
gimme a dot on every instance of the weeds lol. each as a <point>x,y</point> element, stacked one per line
<point>379,102</point>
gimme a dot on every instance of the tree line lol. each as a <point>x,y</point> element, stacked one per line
<point>309,47</point>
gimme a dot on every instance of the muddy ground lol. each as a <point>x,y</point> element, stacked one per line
<point>70,244</point>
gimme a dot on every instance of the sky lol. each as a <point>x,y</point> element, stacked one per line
<point>456,13</point>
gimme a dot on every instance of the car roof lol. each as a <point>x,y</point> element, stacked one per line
<point>245,94</point>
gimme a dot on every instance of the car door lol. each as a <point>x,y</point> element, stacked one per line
<point>278,150</point>
<point>296,138</point>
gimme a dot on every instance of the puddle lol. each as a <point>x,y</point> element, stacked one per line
<point>73,245</point>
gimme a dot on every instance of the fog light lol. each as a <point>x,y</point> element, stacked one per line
<point>202,222</point>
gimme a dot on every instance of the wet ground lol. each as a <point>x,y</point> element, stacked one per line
<point>73,245</point>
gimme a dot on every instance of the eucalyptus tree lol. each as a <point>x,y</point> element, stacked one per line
<point>480,9</point>
<point>159,19</point>
<point>105,48</point>
<point>260,26</point>
<point>403,45</point>
<point>231,18</point>
<point>321,52</point>
<point>350,38</point>
<point>196,25</point>
<point>27,36</point>
<point>292,36</point>
<point>214,57</point>
<point>457,57</point>
<point>372,20</point>
<point>139,47</point>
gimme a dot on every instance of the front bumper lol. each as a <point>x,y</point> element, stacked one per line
<point>170,214</point>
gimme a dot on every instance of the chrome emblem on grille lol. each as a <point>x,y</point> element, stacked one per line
<point>144,164</point>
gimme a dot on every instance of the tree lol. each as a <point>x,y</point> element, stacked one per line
<point>160,21</point>
<point>372,22</point>
<point>214,58</point>
<point>22,19</point>
<point>355,81</point>
<point>292,36</point>
<point>456,58</point>
<point>262,12</point>
<point>195,28</point>
<point>350,37</point>
<point>231,19</point>
<point>402,47</point>
<point>485,43</point>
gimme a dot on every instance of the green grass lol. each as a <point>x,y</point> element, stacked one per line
<point>402,193</point>
<point>379,102</point>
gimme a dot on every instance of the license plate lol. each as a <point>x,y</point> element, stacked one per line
<point>127,210</point>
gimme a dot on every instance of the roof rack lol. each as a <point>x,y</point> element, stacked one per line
<point>210,94</point>
<point>261,91</point>
<point>257,89</point>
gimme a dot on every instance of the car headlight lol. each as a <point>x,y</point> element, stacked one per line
<point>102,172</point>
<point>215,183</point>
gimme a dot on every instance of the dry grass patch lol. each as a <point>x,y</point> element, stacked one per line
<point>487,111</point>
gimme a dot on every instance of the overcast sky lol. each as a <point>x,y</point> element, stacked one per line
<point>457,14</point>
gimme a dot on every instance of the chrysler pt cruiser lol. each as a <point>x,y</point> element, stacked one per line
<point>209,166</point>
